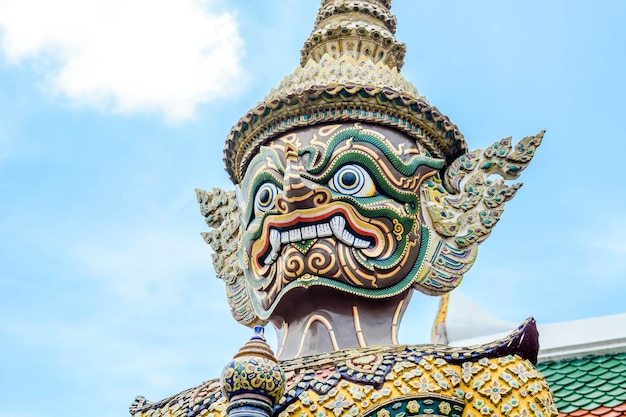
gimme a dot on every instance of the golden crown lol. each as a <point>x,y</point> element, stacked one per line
<point>350,71</point>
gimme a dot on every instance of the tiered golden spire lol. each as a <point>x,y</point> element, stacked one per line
<point>355,28</point>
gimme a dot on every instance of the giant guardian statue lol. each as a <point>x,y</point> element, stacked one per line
<point>350,192</point>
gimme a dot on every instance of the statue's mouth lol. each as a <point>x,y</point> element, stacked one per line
<point>337,227</point>
<point>336,221</point>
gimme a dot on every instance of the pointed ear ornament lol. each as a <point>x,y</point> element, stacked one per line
<point>464,207</point>
<point>220,210</point>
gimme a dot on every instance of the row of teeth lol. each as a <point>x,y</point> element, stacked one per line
<point>336,227</point>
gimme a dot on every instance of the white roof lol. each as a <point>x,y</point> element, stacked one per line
<point>468,324</point>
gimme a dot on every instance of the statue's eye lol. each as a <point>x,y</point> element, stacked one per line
<point>353,180</point>
<point>265,196</point>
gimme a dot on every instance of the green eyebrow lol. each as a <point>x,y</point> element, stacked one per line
<point>357,135</point>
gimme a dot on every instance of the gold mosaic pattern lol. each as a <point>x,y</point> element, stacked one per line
<point>362,381</point>
<point>508,386</point>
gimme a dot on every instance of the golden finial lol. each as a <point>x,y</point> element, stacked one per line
<point>355,28</point>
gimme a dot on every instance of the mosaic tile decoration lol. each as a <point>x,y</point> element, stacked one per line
<point>391,381</point>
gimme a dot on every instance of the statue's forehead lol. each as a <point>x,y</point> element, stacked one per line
<point>320,136</point>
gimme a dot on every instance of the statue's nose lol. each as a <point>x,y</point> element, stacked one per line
<point>298,194</point>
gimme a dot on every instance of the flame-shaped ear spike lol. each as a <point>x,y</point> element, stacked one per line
<point>464,207</point>
<point>222,214</point>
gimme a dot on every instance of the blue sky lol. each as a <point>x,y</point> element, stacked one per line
<point>111,113</point>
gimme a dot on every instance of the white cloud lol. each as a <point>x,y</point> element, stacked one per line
<point>131,56</point>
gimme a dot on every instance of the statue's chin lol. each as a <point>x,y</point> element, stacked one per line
<point>299,290</point>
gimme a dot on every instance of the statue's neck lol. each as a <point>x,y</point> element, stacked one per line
<point>319,321</point>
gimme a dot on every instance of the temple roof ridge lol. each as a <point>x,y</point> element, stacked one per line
<point>465,323</point>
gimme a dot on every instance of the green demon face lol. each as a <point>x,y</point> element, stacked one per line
<point>337,206</point>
